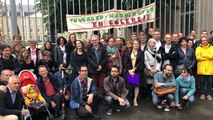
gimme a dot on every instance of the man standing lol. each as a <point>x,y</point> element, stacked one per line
<point>116,91</point>
<point>84,97</point>
<point>204,56</point>
<point>157,37</point>
<point>97,59</point>
<point>12,101</point>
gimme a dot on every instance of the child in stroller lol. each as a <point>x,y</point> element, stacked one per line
<point>33,98</point>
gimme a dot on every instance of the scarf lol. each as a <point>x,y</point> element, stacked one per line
<point>111,49</point>
<point>187,79</point>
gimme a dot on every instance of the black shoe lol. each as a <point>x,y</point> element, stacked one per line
<point>96,116</point>
<point>56,114</point>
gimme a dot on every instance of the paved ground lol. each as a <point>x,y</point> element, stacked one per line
<point>200,110</point>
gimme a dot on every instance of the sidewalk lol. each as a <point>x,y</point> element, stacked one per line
<point>200,110</point>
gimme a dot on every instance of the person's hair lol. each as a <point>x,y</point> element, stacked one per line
<point>175,33</point>
<point>129,41</point>
<point>12,77</point>
<point>46,43</point>
<point>136,41</point>
<point>5,46</point>
<point>32,41</point>
<point>211,31</point>
<point>194,30</point>
<point>94,36</point>
<point>58,40</point>
<point>21,58</point>
<point>69,41</point>
<point>157,30</point>
<point>17,35</point>
<point>186,70</point>
<point>47,53</point>
<point>81,44</point>
<point>82,66</point>
<point>115,66</point>
<point>39,67</point>
<point>2,72</point>
<point>165,66</point>
<point>133,33</point>
<point>183,39</point>
<point>203,31</point>
<point>190,40</point>
<point>14,46</point>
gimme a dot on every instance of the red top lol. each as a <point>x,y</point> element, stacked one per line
<point>49,88</point>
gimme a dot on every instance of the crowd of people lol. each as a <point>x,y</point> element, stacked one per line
<point>110,71</point>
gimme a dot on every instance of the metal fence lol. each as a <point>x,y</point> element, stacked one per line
<point>41,19</point>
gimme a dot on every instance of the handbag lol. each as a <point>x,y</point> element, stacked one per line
<point>135,80</point>
<point>160,91</point>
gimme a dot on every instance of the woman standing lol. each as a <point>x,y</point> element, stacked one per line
<point>78,58</point>
<point>114,57</point>
<point>186,56</point>
<point>60,51</point>
<point>35,53</point>
<point>134,64</point>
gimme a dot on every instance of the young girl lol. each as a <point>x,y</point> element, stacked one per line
<point>25,60</point>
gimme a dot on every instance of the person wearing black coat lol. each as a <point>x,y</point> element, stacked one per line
<point>134,64</point>
<point>97,59</point>
<point>168,52</point>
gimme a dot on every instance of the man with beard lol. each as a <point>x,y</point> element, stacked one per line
<point>164,79</point>
<point>115,90</point>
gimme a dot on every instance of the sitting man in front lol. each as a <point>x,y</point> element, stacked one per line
<point>11,102</point>
<point>116,91</point>
<point>84,97</point>
<point>50,89</point>
<point>162,80</point>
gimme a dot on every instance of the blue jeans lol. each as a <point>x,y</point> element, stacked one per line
<point>183,92</point>
<point>156,100</point>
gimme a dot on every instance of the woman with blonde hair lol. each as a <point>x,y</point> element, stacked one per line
<point>25,60</point>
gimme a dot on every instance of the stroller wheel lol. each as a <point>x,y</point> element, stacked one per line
<point>63,116</point>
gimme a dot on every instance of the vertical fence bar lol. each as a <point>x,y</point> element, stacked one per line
<point>22,19</point>
<point>175,17</point>
<point>132,9</point>
<point>184,18</point>
<point>97,5</point>
<point>6,17</point>
<point>203,26</point>
<point>85,1</point>
<point>55,17</point>
<point>164,32</point>
<point>180,16</point>
<point>73,7</point>
<point>36,27</point>
<point>42,20</point>
<point>103,5</point>
<point>91,6</point>
<point>208,14</point>
<point>79,5</point>
<point>61,16</point>
<point>195,16</point>
<point>160,18</point>
<point>67,4</point>
<point>137,8</point>
<point>155,16</point>
<point>29,23</point>
<point>199,17</point>
<point>189,17</point>
<point>170,16</point>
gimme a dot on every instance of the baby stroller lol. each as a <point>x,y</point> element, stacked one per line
<point>26,78</point>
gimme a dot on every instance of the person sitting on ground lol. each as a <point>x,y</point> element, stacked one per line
<point>115,90</point>
<point>164,79</point>
<point>33,98</point>
<point>11,101</point>
<point>84,97</point>
<point>185,89</point>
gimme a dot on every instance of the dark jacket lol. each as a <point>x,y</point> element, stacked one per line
<point>7,107</point>
<point>57,87</point>
<point>25,66</point>
<point>58,55</point>
<point>139,64</point>
<point>188,60</point>
<point>121,90</point>
<point>51,66</point>
<point>15,66</point>
<point>92,60</point>
<point>171,56</point>
<point>76,99</point>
